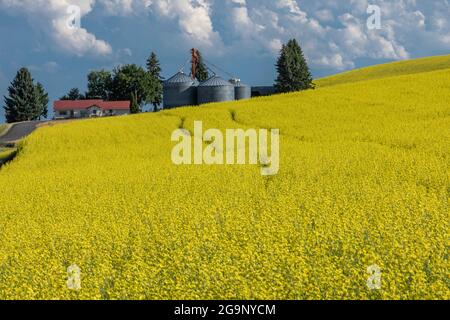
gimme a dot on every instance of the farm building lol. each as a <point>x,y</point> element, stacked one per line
<point>67,109</point>
<point>180,90</point>
<point>184,90</point>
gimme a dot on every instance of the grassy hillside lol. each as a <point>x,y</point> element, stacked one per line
<point>363,181</point>
<point>388,70</point>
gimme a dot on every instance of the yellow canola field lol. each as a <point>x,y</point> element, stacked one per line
<point>404,67</point>
<point>364,180</point>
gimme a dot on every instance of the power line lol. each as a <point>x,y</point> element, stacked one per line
<point>218,68</point>
<point>184,65</point>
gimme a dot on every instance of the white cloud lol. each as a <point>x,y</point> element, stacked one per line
<point>124,7</point>
<point>275,45</point>
<point>332,33</point>
<point>241,2</point>
<point>324,15</point>
<point>51,16</point>
<point>193,18</point>
<point>292,5</point>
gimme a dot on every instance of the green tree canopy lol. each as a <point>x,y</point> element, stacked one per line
<point>25,101</point>
<point>132,79</point>
<point>202,70</point>
<point>293,71</point>
<point>134,106</point>
<point>42,98</point>
<point>99,85</point>
<point>154,69</point>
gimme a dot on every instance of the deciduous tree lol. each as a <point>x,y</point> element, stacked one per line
<point>99,85</point>
<point>133,79</point>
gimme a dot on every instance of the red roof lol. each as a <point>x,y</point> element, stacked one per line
<point>62,105</point>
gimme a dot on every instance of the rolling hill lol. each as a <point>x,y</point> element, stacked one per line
<point>364,181</point>
<point>398,68</point>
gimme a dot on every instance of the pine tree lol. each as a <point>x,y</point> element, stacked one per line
<point>42,97</point>
<point>22,101</point>
<point>73,94</point>
<point>293,71</point>
<point>154,69</point>
<point>134,106</point>
<point>153,66</point>
<point>202,70</point>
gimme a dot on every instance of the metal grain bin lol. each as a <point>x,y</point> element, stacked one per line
<point>241,91</point>
<point>215,89</point>
<point>180,90</point>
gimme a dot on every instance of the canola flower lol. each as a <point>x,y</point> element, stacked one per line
<point>364,181</point>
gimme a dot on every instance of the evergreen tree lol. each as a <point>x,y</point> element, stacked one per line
<point>42,98</point>
<point>134,106</point>
<point>73,94</point>
<point>154,69</point>
<point>293,71</point>
<point>202,70</point>
<point>21,102</point>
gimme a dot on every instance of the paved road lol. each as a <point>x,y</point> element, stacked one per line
<point>19,130</point>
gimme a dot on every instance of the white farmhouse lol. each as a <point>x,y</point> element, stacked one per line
<point>68,109</point>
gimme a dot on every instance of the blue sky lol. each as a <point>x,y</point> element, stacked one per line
<point>241,36</point>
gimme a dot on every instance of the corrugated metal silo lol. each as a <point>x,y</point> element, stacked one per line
<point>180,90</point>
<point>241,91</point>
<point>215,89</point>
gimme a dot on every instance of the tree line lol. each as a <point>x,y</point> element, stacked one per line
<point>130,82</point>
<point>126,82</point>
<point>28,100</point>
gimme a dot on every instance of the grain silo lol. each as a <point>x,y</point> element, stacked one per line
<point>241,91</point>
<point>180,90</point>
<point>215,89</point>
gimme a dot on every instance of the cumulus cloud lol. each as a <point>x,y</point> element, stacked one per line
<point>332,33</point>
<point>52,17</point>
<point>193,18</point>
<point>124,7</point>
